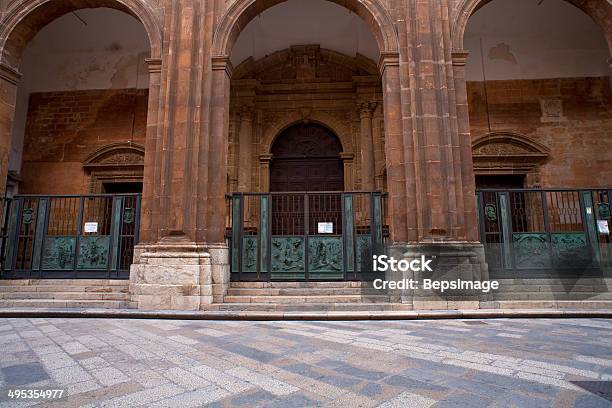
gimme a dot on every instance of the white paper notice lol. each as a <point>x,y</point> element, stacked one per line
<point>91,227</point>
<point>602,226</point>
<point>325,227</point>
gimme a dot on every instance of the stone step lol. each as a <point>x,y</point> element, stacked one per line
<point>54,303</point>
<point>311,307</point>
<point>307,299</point>
<point>300,285</point>
<point>65,295</point>
<point>509,296</point>
<point>64,282</point>
<point>550,304</point>
<point>58,288</point>
<point>303,291</point>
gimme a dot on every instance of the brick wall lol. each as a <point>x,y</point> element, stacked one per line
<point>63,128</point>
<point>580,143</point>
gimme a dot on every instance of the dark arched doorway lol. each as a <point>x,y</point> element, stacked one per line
<point>306,157</point>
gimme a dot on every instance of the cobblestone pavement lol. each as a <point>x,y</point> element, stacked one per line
<point>452,363</point>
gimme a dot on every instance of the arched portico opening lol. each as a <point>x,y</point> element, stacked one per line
<point>377,101</point>
<point>75,85</point>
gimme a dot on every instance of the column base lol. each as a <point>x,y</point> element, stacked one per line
<point>450,261</point>
<point>171,276</point>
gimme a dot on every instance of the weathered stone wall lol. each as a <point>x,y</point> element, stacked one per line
<point>63,128</point>
<point>572,117</point>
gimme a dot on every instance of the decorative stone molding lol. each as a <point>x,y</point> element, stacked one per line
<point>388,59</point>
<point>506,152</point>
<point>117,162</point>
<point>552,110</point>
<point>367,109</point>
<point>9,74</point>
<point>154,65</point>
<point>460,58</point>
<point>222,63</point>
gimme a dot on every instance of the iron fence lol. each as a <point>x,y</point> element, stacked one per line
<point>69,236</point>
<point>305,236</point>
<point>544,232</point>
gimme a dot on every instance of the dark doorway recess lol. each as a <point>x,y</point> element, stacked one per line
<point>122,188</point>
<point>501,181</point>
<point>306,157</point>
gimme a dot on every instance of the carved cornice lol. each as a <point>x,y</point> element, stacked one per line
<point>460,58</point>
<point>222,63</point>
<point>117,155</point>
<point>366,109</point>
<point>347,157</point>
<point>154,65</point>
<point>265,158</point>
<point>388,59</point>
<point>9,74</point>
<point>505,151</point>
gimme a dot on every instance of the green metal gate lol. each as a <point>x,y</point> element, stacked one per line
<point>317,236</point>
<point>69,236</point>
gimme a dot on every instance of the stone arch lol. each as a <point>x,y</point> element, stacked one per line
<point>599,10</point>
<point>276,129</point>
<point>241,12</point>
<point>23,21</point>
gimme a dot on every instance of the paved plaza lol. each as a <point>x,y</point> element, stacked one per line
<point>437,363</point>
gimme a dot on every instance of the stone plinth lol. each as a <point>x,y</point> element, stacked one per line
<point>177,276</point>
<point>450,261</point>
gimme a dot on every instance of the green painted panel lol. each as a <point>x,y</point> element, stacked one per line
<point>531,250</point>
<point>116,232</point>
<point>11,239</point>
<point>570,249</point>
<point>249,254</point>
<point>377,245</point>
<point>288,258</point>
<point>58,253</point>
<point>364,252</point>
<point>93,252</point>
<point>325,257</point>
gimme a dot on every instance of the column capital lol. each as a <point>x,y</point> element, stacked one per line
<point>154,65</point>
<point>347,157</point>
<point>222,63</point>
<point>246,113</point>
<point>388,59</point>
<point>460,57</point>
<point>265,158</point>
<point>609,60</point>
<point>366,108</point>
<point>9,74</point>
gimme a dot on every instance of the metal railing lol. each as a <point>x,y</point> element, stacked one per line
<point>69,236</point>
<point>545,232</point>
<point>305,235</point>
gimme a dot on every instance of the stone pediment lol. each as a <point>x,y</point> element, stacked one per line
<point>507,145</point>
<point>116,155</point>
<point>505,152</point>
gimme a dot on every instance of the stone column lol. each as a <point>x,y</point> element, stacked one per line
<point>245,142</point>
<point>367,146</point>
<point>174,272</point>
<point>9,80</point>
<point>264,172</point>
<point>150,212</point>
<point>394,147</point>
<point>468,220</point>
<point>347,161</point>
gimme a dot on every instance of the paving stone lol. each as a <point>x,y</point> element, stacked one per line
<point>408,400</point>
<point>22,374</point>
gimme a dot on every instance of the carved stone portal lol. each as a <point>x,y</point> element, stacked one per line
<point>119,162</point>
